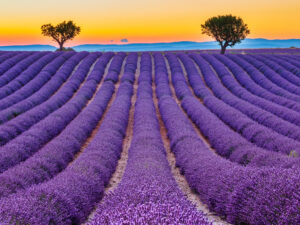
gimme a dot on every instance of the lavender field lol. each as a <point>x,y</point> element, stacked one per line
<point>150,138</point>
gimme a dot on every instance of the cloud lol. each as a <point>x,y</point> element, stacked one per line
<point>124,40</point>
<point>112,41</point>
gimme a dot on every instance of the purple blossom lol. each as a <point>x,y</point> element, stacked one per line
<point>244,106</point>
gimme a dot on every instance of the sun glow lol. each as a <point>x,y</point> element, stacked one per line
<point>109,21</point>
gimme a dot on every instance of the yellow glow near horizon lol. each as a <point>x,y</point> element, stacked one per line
<point>143,21</point>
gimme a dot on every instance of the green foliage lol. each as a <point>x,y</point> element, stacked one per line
<point>65,49</point>
<point>227,30</point>
<point>293,154</point>
<point>61,32</point>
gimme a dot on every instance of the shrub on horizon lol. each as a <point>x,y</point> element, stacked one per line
<point>65,49</point>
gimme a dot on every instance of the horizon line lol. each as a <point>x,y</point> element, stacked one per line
<point>127,43</point>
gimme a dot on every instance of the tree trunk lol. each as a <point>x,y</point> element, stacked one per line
<point>61,46</point>
<point>223,48</point>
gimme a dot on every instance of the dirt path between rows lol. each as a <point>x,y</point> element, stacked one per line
<point>122,162</point>
<point>180,179</point>
<point>118,174</point>
<point>197,130</point>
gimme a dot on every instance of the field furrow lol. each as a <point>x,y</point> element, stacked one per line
<point>178,137</point>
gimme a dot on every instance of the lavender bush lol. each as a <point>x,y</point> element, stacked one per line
<point>148,193</point>
<point>224,140</point>
<point>243,195</point>
<point>61,139</point>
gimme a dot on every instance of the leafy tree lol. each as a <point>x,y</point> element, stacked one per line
<point>227,30</point>
<point>61,32</point>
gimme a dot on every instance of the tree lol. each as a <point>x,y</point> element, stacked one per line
<point>61,32</point>
<point>227,30</point>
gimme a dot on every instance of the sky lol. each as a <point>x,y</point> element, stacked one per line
<point>143,21</point>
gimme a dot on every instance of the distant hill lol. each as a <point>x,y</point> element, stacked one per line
<point>188,45</point>
<point>28,48</point>
<point>183,45</point>
<point>265,43</point>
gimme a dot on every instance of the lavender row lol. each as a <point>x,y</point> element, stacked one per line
<point>12,61</point>
<point>58,153</point>
<point>16,126</point>
<point>272,76</point>
<point>36,83</point>
<point>229,82</point>
<point>292,59</point>
<point>286,65</point>
<point>230,144</point>
<point>147,193</point>
<point>269,91</point>
<point>251,110</point>
<point>260,78</point>
<point>70,196</point>
<point>30,141</point>
<point>283,78</point>
<point>130,68</point>
<point>33,64</point>
<point>254,132</point>
<point>114,70</point>
<point>242,195</point>
<point>19,68</point>
<point>265,51</point>
<point>161,76</point>
<point>225,141</point>
<point>6,55</point>
<point>179,81</point>
<point>235,88</point>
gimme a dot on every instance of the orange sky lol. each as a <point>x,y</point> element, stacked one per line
<point>143,20</point>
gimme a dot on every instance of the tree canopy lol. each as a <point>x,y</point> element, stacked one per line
<point>227,30</point>
<point>61,32</point>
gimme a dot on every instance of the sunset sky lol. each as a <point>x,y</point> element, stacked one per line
<point>109,21</point>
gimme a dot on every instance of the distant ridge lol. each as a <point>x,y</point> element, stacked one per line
<point>182,45</point>
<point>28,48</point>
<point>189,45</point>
